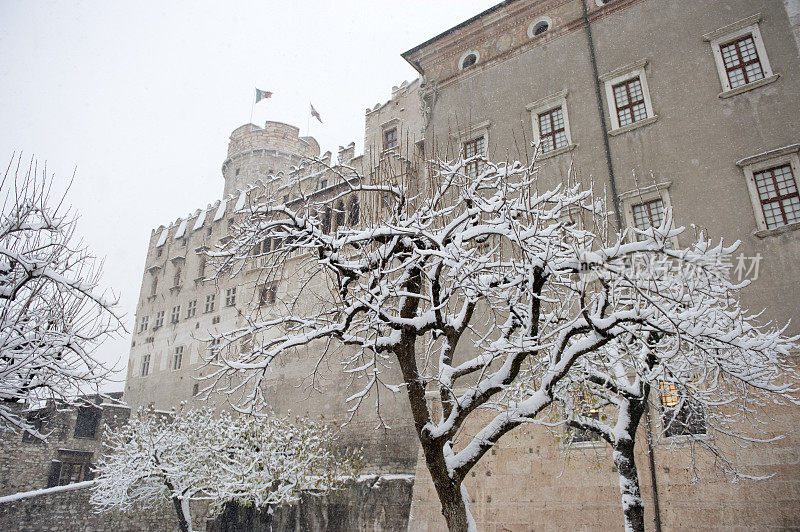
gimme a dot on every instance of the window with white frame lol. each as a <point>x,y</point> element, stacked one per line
<point>740,56</point>
<point>772,180</point>
<point>176,314</point>
<point>628,97</point>
<point>191,309</point>
<point>145,365</point>
<point>230,297</point>
<point>648,214</point>
<point>551,124</point>
<point>210,300</point>
<point>159,319</point>
<point>177,358</point>
<point>647,207</point>
<point>143,323</point>
<point>469,59</point>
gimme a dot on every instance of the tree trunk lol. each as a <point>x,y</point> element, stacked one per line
<point>183,524</point>
<point>453,509</point>
<point>632,504</point>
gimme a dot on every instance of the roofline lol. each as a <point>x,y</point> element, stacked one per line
<point>405,55</point>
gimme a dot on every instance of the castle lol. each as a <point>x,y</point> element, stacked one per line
<point>689,105</point>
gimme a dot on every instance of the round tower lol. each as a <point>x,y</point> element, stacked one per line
<point>257,153</point>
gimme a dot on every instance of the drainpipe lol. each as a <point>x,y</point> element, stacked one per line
<point>651,456</point>
<point>599,93</point>
<point>618,216</point>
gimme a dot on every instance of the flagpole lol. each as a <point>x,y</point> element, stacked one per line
<point>252,106</point>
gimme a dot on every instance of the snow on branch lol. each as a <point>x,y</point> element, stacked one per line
<point>483,289</point>
<point>52,312</point>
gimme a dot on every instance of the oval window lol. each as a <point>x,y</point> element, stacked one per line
<point>469,60</point>
<point>541,27</point>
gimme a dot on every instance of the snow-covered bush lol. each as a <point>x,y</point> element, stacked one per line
<point>197,454</point>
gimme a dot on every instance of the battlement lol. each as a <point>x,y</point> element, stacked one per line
<point>398,91</point>
<point>274,135</point>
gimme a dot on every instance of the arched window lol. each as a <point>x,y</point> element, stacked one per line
<point>355,211</point>
<point>340,214</point>
<point>154,286</point>
<point>177,279</point>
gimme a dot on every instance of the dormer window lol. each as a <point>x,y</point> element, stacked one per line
<point>469,59</point>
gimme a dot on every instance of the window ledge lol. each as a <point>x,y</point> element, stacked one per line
<point>554,153</point>
<point>174,289</point>
<point>682,439</point>
<point>777,231</point>
<point>630,127</point>
<point>590,444</point>
<point>151,298</point>
<point>750,86</point>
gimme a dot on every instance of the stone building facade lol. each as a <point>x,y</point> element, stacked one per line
<point>73,447</point>
<point>688,105</point>
<point>641,98</point>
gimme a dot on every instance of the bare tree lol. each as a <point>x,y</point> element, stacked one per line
<point>52,313</point>
<point>199,455</point>
<point>467,282</point>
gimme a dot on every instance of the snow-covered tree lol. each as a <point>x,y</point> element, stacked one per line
<point>52,313</point>
<point>468,281</point>
<point>196,454</point>
<point>718,385</point>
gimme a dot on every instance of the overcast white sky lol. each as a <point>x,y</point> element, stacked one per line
<point>138,98</point>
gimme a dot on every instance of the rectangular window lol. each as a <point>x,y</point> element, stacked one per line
<point>143,323</point>
<point>191,309</point>
<point>268,295</point>
<point>680,415</point>
<point>647,215</point>
<point>215,320</point>
<point>777,193</point>
<point>176,314</point>
<point>71,466</point>
<point>210,303</point>
<point>87,422</point>
<point>390,138</point>
<point>323,184</point>
<point>629,100</point>
<point>71,473</point>
<point>471,149</point>
<point>230,297</point>
<point>586,435</point>
<point>552,133</point>
<point>177,358</point>
<point>742,64</point>
<point>159,319</point>
<point>37,421</point>
<point>145,365</point>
